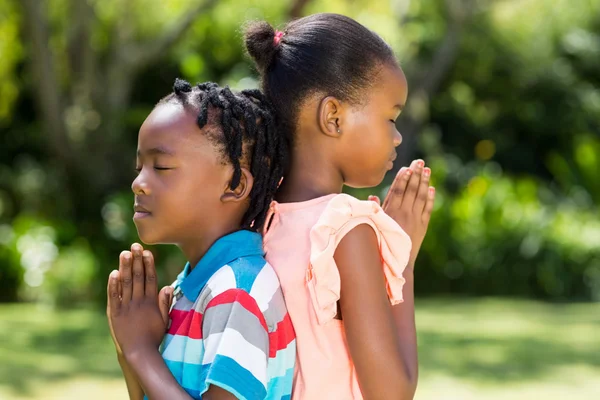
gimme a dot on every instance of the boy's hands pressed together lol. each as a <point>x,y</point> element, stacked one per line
<point>138,317</point>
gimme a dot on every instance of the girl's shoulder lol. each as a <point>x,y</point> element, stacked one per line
<point>342,214</point>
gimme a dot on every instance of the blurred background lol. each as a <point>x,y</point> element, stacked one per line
<point>504,105</point>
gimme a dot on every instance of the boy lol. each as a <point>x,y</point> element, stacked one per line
<point>209,162</point>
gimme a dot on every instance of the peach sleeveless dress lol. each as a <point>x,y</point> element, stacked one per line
<point>300,242</point>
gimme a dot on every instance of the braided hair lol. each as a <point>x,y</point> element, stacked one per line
<point>245,131</point>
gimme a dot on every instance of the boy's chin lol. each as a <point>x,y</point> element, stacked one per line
<point>150,238</point>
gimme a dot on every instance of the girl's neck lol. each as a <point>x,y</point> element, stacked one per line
<point>310,177</point>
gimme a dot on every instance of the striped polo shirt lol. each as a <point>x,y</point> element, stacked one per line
<point>229,324</point>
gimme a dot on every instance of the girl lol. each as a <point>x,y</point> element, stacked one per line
<point>338,91</point>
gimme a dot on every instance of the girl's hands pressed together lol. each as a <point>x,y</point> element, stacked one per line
<point>410,202</point>
<point>137,316</point>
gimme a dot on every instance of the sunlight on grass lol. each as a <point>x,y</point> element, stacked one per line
<point>469,349</point>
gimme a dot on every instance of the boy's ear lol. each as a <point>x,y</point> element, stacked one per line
<point>243,189</point>
<point>330,116</point>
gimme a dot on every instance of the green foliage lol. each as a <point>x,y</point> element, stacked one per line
<point>511,132</point>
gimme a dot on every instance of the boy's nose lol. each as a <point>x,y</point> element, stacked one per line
<point>139,185</point>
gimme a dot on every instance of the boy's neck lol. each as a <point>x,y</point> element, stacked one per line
<point>310,177</point>
<point>199,244</point>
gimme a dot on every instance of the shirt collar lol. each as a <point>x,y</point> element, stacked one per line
<point>226,249</point>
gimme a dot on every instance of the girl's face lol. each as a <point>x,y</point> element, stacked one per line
<point>181,178</point>
<point>368,132</point>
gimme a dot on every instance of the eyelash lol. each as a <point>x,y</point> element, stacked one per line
<point>138,170</point>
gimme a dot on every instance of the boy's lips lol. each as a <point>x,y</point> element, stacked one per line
<point>140,212</point>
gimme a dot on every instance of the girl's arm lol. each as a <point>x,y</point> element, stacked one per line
<point>384,357</point>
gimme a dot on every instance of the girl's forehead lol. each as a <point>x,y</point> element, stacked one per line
<point>391,86</point>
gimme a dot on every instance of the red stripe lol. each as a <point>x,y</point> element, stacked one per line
<point>241,297</point>
<point>186,323</point>
<point>177,318</point>
<point>282,337</point>
<point>195,331</point>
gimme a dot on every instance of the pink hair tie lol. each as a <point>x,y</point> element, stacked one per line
<point>277,38</point>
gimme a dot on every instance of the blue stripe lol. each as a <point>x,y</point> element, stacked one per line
<point>281,387</point>
<point>279,365</point>
<point>228,374</point>
<point>246,270</point>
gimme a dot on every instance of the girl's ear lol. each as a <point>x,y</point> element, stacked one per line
<point>330,116</point>
<point>243,189</point>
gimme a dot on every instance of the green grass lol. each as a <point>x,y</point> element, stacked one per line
<point>469,349</point>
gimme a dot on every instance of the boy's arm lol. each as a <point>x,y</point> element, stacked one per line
<point>134,389</point>
<point>160,384</point>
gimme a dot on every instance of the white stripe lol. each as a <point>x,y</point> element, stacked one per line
<point>221,281</point>
<point>230,343</point>
<point>264,287</point>
<point>184,349</point>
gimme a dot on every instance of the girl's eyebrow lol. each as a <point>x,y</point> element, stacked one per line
<point>160,150</point>
<point>399,106</point>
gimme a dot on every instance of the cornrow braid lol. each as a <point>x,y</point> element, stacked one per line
<point>246,121</point>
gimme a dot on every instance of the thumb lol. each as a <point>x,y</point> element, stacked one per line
<point>375,199</point>
<point>165,296</point>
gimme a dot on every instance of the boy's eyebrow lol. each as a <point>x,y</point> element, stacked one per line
<point>399,106</point>
<point>160,150</point>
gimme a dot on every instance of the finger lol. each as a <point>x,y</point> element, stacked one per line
<point>375,199</point>
<point>429,205</point>
<point>412,188</point>
<point>138,272</point>
<point>150,272</point>
<point>165,297</point>
<point>422,191</point>
<point>394,195</point>
<point>125,265</point>
<point>112,293</point>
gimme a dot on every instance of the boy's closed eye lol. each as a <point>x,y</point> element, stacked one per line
<point>156,167</point>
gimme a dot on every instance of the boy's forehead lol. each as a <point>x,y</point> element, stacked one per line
<point>172,130</point>
<point>168,124</point>
<point>168,116</point>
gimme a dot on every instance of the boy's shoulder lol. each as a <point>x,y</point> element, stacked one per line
<point>244,273</point>
<point>252,275</point>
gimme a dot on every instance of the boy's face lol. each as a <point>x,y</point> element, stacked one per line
<point>181,180</point>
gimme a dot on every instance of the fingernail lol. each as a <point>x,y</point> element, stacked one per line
<point>431,190</point>
<point>409,172</point>
<point>426,171</point>
<point>420,164</point>
<point>127,256</point>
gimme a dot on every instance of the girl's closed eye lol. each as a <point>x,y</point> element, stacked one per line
<point>161,168</point>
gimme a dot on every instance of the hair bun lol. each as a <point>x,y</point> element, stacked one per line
<point>260,43</point>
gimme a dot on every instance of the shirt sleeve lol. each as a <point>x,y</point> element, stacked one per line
<point>236,345</point>
<point>344,213</point>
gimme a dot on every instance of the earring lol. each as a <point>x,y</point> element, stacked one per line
<point>338,130</point>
